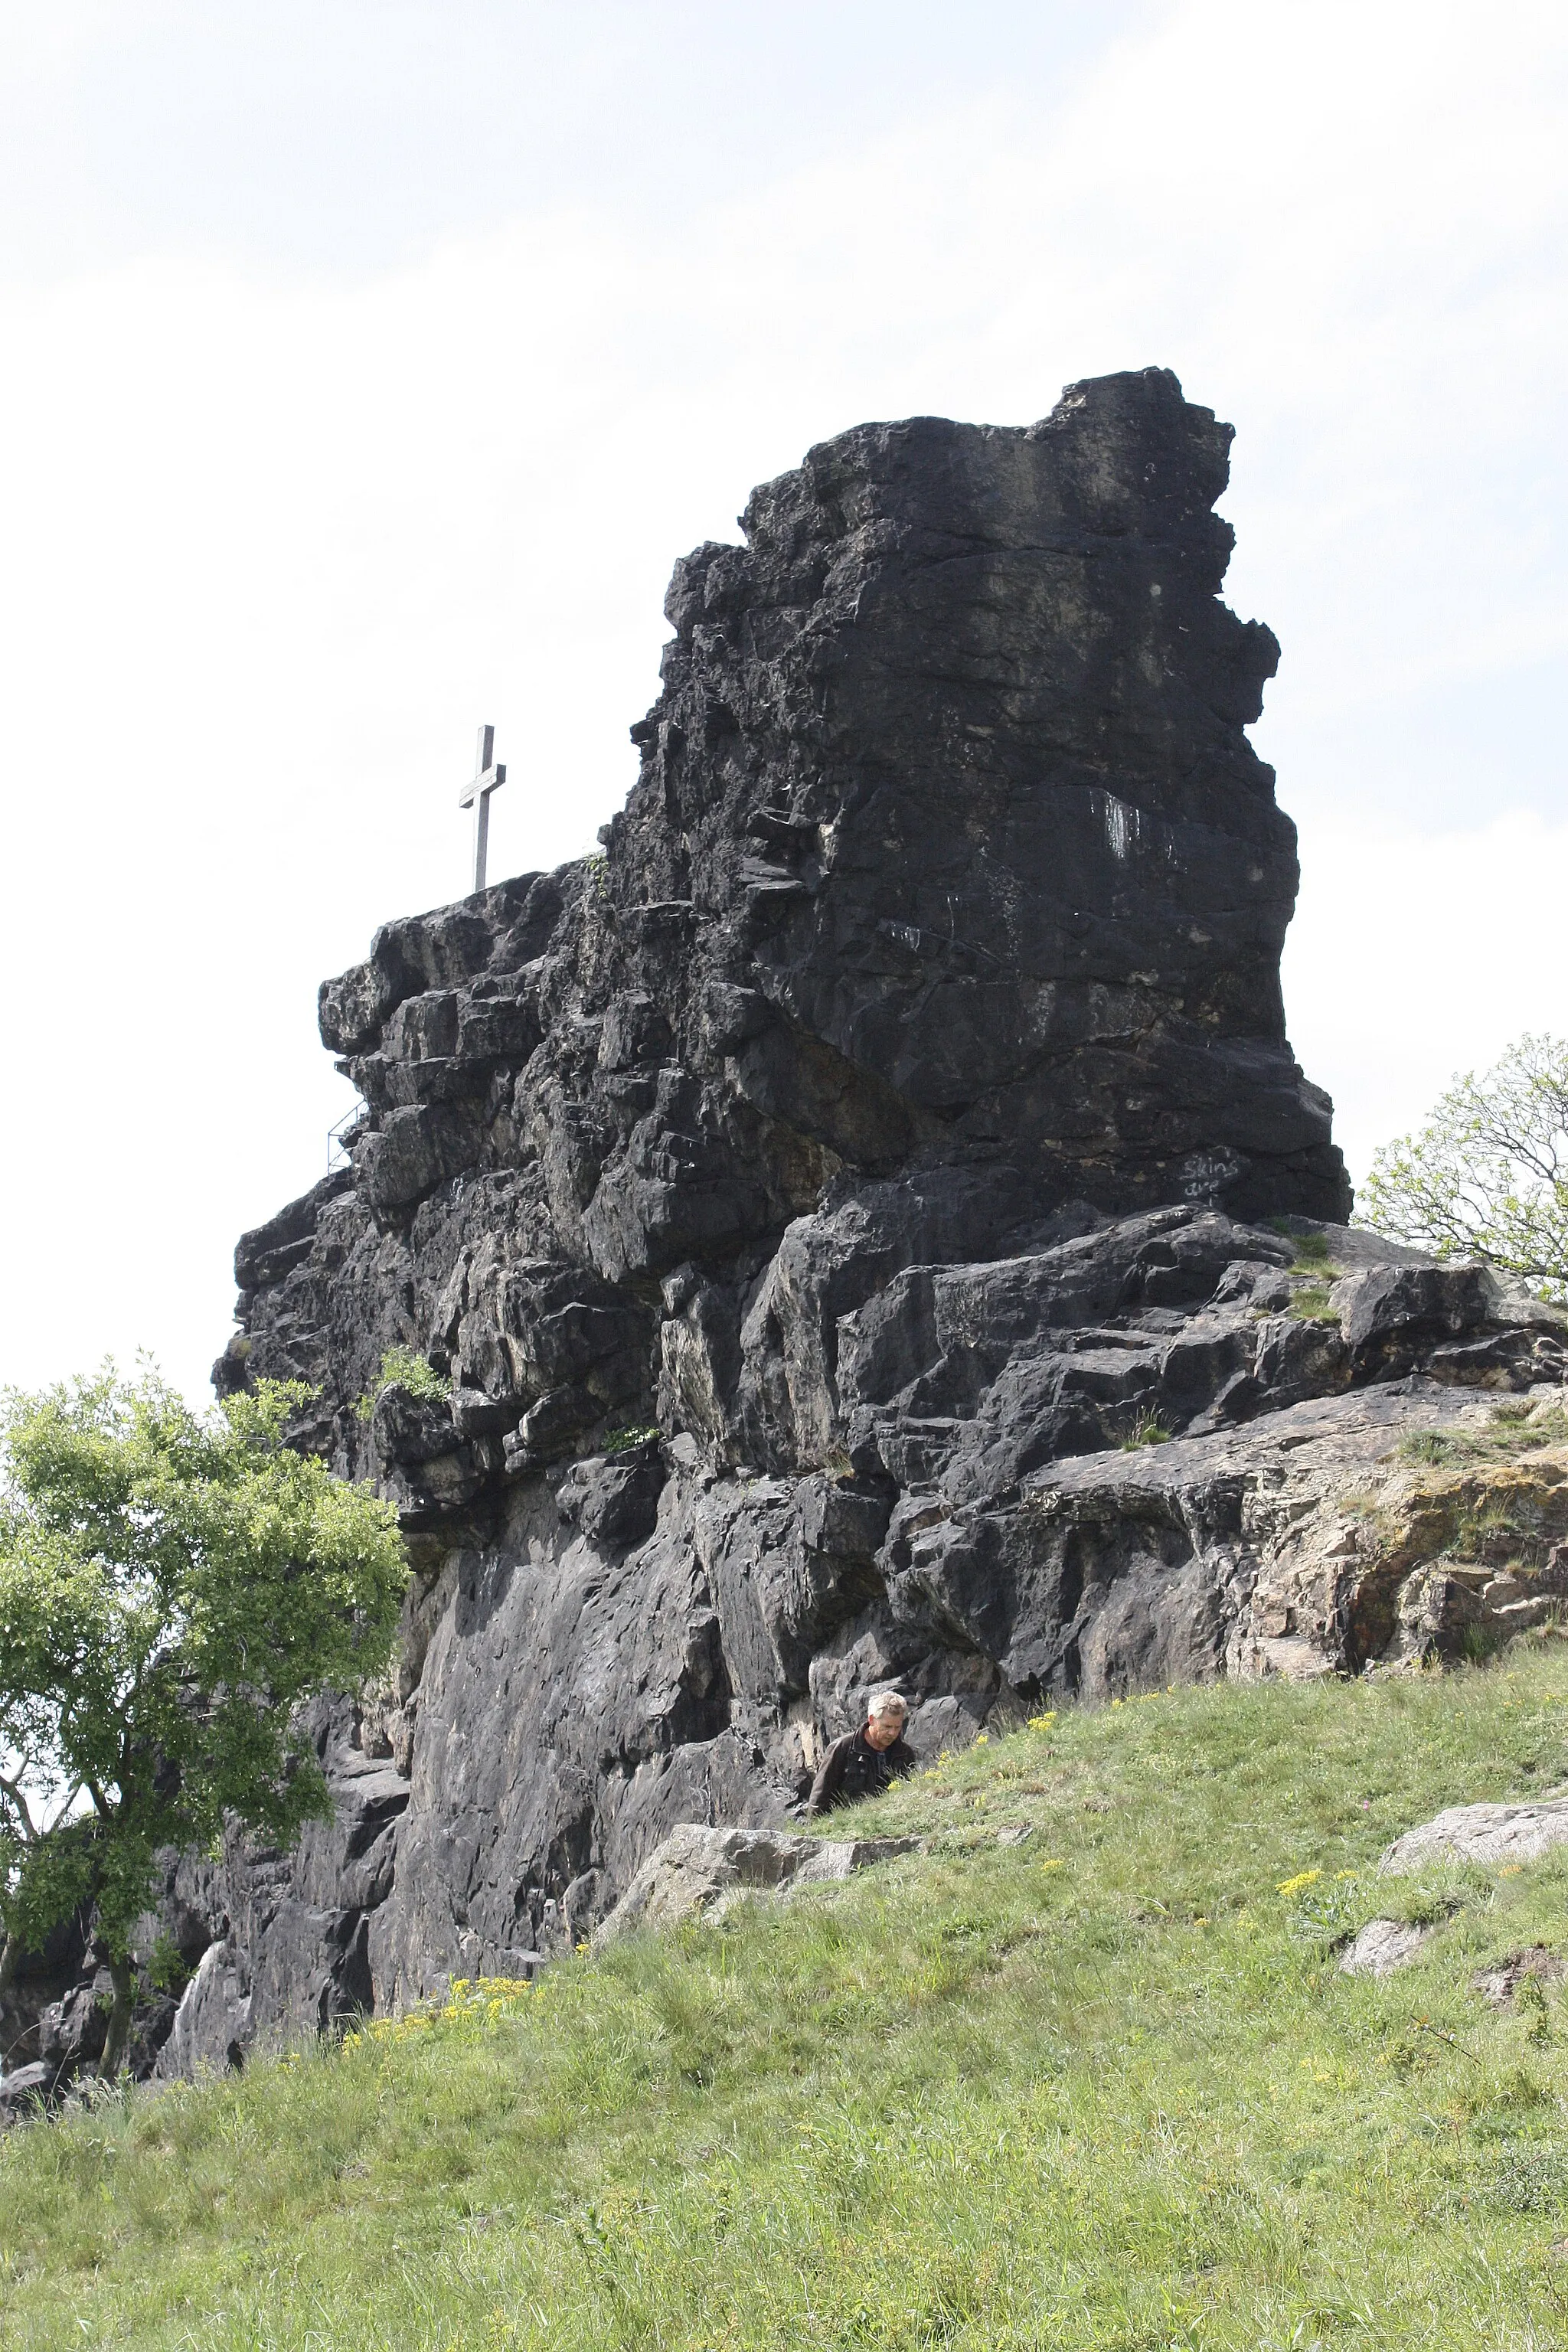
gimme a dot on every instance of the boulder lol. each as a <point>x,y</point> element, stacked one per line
<point>1493,1834</point>
<point>699,1870</point>
<point>1382,1946</point>
<point>25,2092</point>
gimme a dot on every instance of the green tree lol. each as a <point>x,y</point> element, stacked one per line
<point>172,1587</point>
<point>1487,1176</point>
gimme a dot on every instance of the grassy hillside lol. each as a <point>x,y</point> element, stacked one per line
<point>1102,2088</point>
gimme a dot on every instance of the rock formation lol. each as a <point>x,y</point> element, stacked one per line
<point>823,1205</point>
<point>699,1873</point>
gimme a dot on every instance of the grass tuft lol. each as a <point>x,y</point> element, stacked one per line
<point>1516,1426</point>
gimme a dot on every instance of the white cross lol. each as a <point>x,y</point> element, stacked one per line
<point>477,796</point>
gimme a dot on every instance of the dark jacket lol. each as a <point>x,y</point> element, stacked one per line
<point>853,1769</point>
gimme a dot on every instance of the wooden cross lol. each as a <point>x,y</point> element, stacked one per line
<point>491,775</point>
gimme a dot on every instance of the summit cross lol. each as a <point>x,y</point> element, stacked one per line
<point>490,777</point>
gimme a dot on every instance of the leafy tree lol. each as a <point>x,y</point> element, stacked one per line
<point>1488,1175</point>
<point>172,1587</point>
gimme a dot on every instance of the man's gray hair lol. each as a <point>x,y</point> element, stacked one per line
<point>887,1702</point>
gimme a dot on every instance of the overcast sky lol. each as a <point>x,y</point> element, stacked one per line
<point>366,364</point>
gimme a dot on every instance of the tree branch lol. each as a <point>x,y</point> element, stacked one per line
<point>13,1789</point>
<point>63,1815</point>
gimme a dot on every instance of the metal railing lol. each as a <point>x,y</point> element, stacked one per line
<point>338,1152</point>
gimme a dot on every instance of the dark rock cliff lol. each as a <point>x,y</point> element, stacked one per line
<point>814,1201</point>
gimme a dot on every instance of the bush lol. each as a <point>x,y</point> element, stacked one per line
<point>1487,1176</point>
<point>402,1369</point>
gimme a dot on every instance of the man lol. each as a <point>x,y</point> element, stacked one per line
<point>865,1762</point>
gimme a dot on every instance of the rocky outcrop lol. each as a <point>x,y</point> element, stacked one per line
<point>700,1872</point>
<point>1484,1833</point>
<point>868,1226</point>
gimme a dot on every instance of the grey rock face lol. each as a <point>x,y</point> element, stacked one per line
<point>211,2032</point>
<point>857,1217</point>
<point>31,2006</point>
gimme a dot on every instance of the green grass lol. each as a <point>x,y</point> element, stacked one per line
<point>1105,2087</point>
<point>1514,1428</point>
<point>1313,1270</point>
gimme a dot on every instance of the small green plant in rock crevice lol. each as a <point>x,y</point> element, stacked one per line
<point>400,1368</point>
<point>1313,1269</point>
<point>1516,1426</point>
<point>632,1434</point>
<point>1311,1251</point>
<point>1313,1254</point>
<point>1145,1431</point>
<point>1436,1445</point>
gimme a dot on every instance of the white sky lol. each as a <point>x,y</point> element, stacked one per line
<point>366,364</point>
